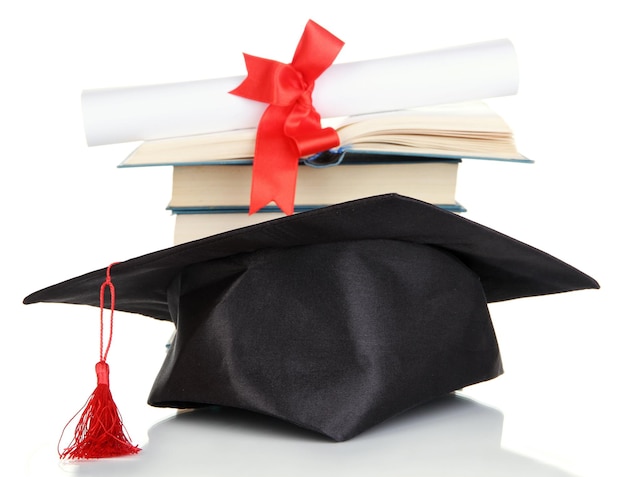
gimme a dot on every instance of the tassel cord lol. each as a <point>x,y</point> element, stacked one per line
<point>107,284</point>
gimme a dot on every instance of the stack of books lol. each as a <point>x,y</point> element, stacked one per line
<point>415,153</point>
<point>207,135</point>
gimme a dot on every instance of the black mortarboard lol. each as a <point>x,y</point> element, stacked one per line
<point>334,319</point>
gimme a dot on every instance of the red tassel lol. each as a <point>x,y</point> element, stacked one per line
<point>100,431</point>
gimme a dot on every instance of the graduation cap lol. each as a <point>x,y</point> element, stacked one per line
<point>334,319</point>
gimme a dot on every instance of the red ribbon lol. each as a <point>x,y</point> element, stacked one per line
<point>290,126</point>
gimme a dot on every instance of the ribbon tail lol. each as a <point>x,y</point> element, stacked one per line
<point>316,51</point>
<point>275,165</point>
<point>282,192</point>
<point>259,84</point>
<point>272,182</point>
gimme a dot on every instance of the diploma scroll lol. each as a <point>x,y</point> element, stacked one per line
<point>465,73</point>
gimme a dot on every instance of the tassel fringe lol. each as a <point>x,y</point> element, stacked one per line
<point>100,431</point>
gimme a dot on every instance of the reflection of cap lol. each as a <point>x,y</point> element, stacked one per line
<point>334,319</point>
<point>449,436</point>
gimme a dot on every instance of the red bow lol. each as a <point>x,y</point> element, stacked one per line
<point>290,126</point>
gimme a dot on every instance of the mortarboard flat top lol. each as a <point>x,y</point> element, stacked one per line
<point>507,268</point>
<point>334,319</point>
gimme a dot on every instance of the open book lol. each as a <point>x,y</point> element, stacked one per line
<point>457,131</point>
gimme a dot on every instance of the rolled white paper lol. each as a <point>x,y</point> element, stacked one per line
<point>465,73</point>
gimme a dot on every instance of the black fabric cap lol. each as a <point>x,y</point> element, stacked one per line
<point>334,319</point>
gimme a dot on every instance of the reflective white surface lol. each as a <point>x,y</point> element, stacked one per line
<point>451,436</point>
<point>558,409</point>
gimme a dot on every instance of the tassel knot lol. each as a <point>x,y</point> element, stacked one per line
<point>102,373</point>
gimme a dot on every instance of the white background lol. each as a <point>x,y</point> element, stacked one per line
<point>69,210</point>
